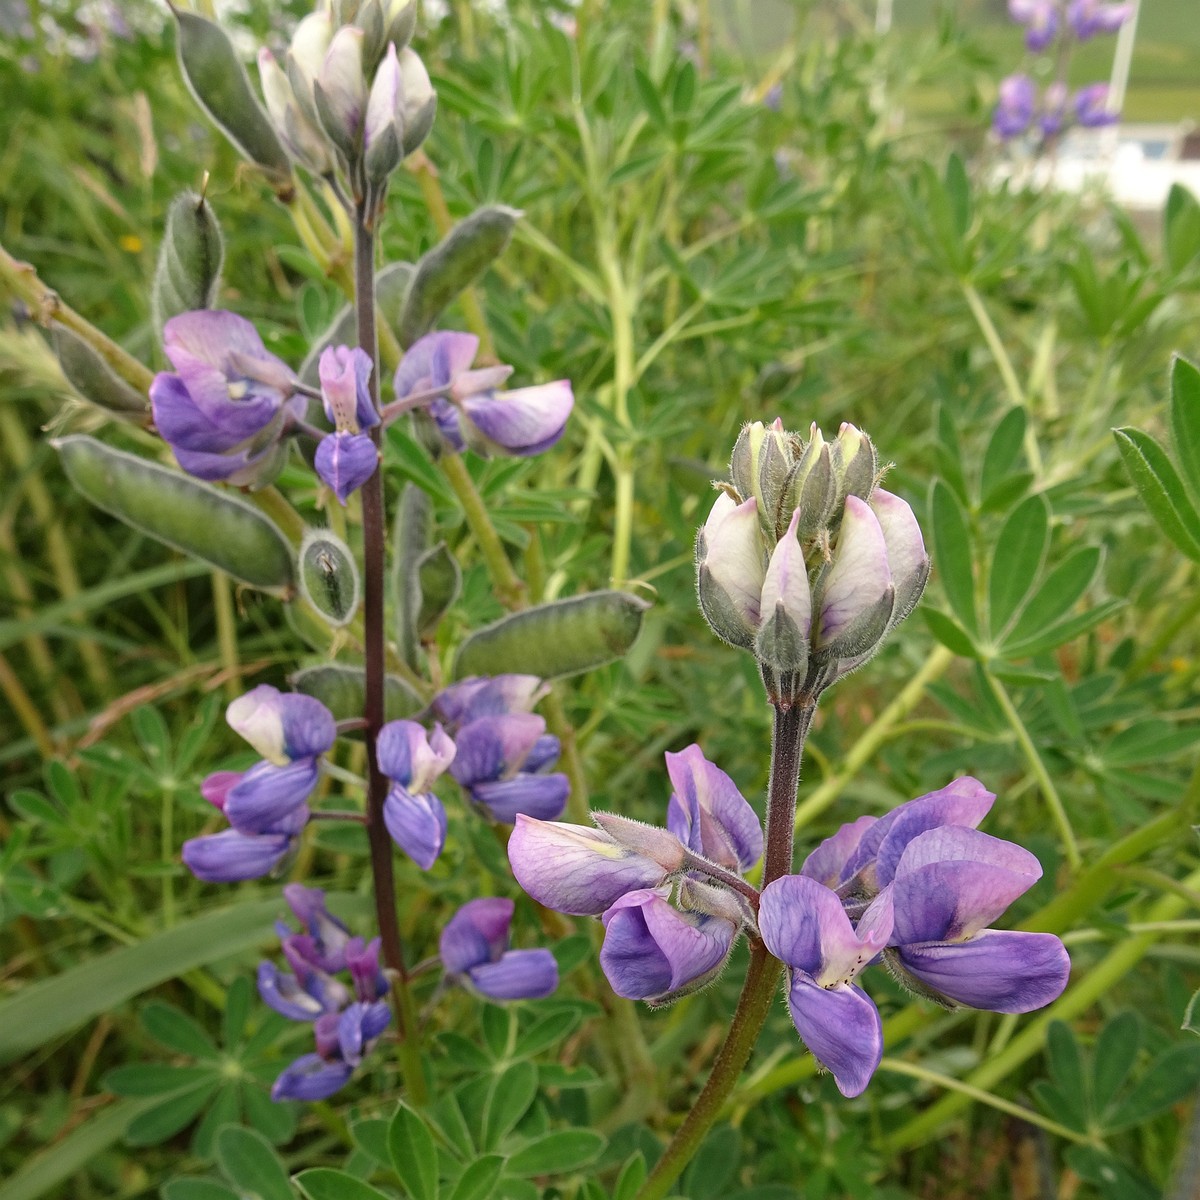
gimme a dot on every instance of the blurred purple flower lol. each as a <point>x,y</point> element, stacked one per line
<point>1015,106</point>
<point>1088,18</point>
<point>474,948</point>
<point>228,404</point>
<point>1091,106</point>
<point>1040,18</point>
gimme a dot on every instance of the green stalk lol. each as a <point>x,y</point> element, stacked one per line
<point>762,978</point>
<point>227,643</point>
<point>25,709</point>
<point>1049,791</point>
<point>375,662</point>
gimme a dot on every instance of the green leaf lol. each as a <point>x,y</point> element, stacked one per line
<point>1017,561</point>
<point>237,1009</point>
<point>276,1122</point>
<point>958,192</point>
<point>557,1153</point>
<point>549,1031</point>
<point>650,98</point>
<point>47,1009</point>
<point>949,633</point>
<point>1148,742</point>
<point>1111,1177</point>
<point>633,1175</point>
<point>196,1189</point>
<point>1185,419</point>
<point>711,1172</point>
<point>1181,228</point>
<point>1112,1059</point>
<point>324,1183</point>
<point>249,1162</point>
<point>1160,488</point>
<point>215,526</point>
<point>952,554</point>
<point>478,1181</point>
<point>414,1154</point>
<point>1191,1018</point>
<point>43,1172</point>
<point>1172,1077</point>
<point>169,1116</point>
<point>563,637</point>
<point>1056,596</point>
<point>1064,631</point>
<point>508,1099</point>
<point>176,1030</point>
<point>154,1079</point>
<point>1065,1060</point>
<point>224,1109</point>
<point>1003,450</point>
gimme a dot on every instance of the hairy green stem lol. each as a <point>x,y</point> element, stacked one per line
<point>375,660</point>
<point>762,978</point>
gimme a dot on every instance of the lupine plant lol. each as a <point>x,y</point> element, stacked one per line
<point>526,935</point>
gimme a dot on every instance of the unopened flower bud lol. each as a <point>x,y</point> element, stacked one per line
<point>382,136</point>
<point>309,45</point>
<point>907,559</point>
<point>420,100</point>
<point>370,20</point>
<point>857,594</point>
<point>811,487</point>
<point>340,90</point>
<point>304,141</point>
<point>785,606</point>
<point>400,17</point>
<point>855,464</point>
<point>730,563</point>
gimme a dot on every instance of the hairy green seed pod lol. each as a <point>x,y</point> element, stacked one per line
<point>197,518</point>
<point>454,264</point>
<point>560,638</point>
<point>217,79</point>
<point>343,691</point>
<point>94,379</point>
<point>441,582</point>
<point>411,535</point>
<point>189,259</point>
<point>328,576</point>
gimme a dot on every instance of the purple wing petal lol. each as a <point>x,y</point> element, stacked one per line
<point>417,824</point>
<point>518,975</point>
<point>522,422</point>
<point>541,796</point>
<point>310,1077</point>
<point>267,795</point>
<point>345,461</point>
<point>706,790</point>
<point>488,696</point>
<point>209,335</point>
<point>803,923</point>
<point>828,862</point>
<point>433,361</point>
<point>997,970</point>
<point>476,934</point>
<point>841,1026</point>
<point>230,857</point>
<point>494,746</point>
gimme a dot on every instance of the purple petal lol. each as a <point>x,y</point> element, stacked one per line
<point>281,726</point>
<point>384,102</point>
<point>828,862</point>
<point>785,584</point>
<point>240,469</point>
<point>285,994</point>
<point>517,975</point>
<point>488,696</point>
<point>541,796</point>
<point>230,856</point>
<point>410,757</point>
<point>1001,971</point>
<point>433,361</point>
<point>417,824</point>
<point>215,788</point>
<point>574,869</point>
<point>859,578</point>
<point>328,937</point>
<point>476,934</point>
<point>344,374</point>
<point>712,816</point>
<point>906,554</point>
<point>492,747</point>
<point>651,950</point>
<point>964,801</point>
<point>345,461</point>
<point>522,422</point>
<point>310,1077</point>
<point>804,924</point>
<point>362,961</point>
<point>209,335</point>
<point>181,423</point>
<point>545,753</point>
<point>841,1026</point>
<point>268,795</point>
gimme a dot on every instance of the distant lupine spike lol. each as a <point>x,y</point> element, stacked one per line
<point>1053,116</point>
<point>1091,106</point>
<point>656,953</point>
<point>1089,18</point>
<point>474,949</point>
<point>1015,106</point>
<point>1040,18</point>
<point>709,815</point>
<point>949,884</point>
<point>497,766</point>
<point>576,869</point>
<point>804,924</point>
<point>228,403</point>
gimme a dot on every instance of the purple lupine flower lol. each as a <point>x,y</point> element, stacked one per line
<point>229,401</point>
<point>501,763</point>
<point>1091,106</point>
<point>1040,18</point>
<point>1088,18</point>
<point>949,884</point>
<point>709,815</point>
<point>860,859</point>
<point>215,788</point>
<point>346,1020</point>
<point>488,696</point>
<point>282,726</point>
<point>412,760</point>
<point>773,97</point>
<point>233,857</point>
<point>346,458</point>
<point>470,411</point>
<point>656,953</point>
<point>804,925</point>
<point>474,949</point>
<point>1015,106</point>
<point>267,795</point>
<point>575,869</point>
<point>1054,109</point>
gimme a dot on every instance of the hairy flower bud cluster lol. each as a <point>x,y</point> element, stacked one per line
<point>804,561</point>
<point>352,93</point>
